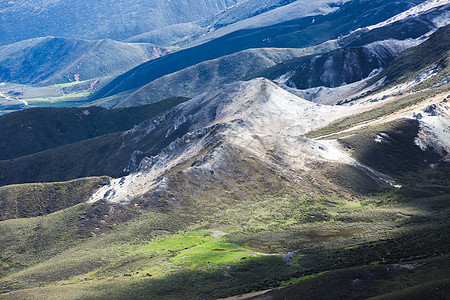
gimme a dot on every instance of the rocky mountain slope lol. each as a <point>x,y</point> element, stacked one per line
<point>242,115</point>
<point>239,146</point>
<point>257,116</point>
<point>53,60</point>
<point>413,62</point>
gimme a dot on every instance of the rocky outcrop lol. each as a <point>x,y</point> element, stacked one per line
<point>346,65</point>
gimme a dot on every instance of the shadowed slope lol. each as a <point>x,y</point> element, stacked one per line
<point>38,129</point>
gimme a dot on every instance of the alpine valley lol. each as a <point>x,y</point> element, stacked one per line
<point>225,149</point>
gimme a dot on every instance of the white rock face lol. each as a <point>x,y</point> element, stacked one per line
<point>435,129</point>
<point>257,116</point>
<point>261,107</point>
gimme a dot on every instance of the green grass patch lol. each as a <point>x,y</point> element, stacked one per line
<point>195,248</point>
<point>214,252</point>
<point>26,242</point>
<point>60,98</point>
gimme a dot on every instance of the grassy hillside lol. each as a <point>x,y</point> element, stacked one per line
<point>53,60</point>
<point>31,200</point>
<point>71,161</point>
<point>293,34</point>
<point>208,237</point>
<point>108,154</point>
<point>34,130</point>
<point>399,156</point>
<point>420,279</point>
<point>271,216</point>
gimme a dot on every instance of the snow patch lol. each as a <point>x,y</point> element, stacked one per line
<point>391,47</point>
<point>382,137</point>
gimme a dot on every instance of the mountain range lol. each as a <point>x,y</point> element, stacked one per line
<point>297,33</point>
<point>106,19</point>
<point>226,150</point>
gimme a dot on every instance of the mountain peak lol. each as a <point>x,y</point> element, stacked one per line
<point>256,116</point>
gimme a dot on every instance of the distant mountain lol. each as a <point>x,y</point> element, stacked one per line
<point>244,15</point>
<point>304,70</point>
<point>314,77</point>
<point>53,60</point>
<point>364,53</point>
<point>377,49</point>
<point>115,19</point>
<point>296,34</point>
